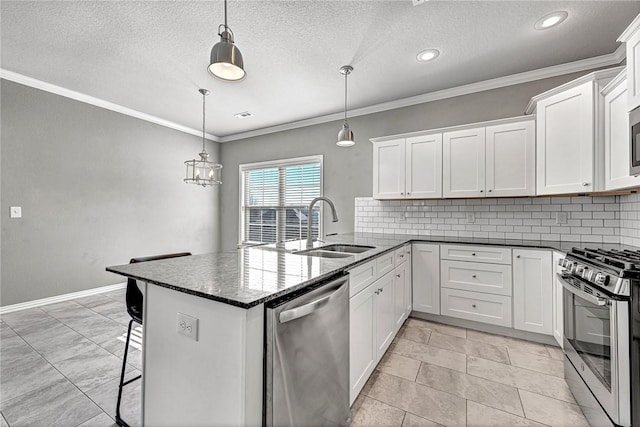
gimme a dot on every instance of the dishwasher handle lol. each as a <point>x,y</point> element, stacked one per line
<point>306,309</point>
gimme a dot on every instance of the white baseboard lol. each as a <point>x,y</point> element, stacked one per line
<point>59,298</point>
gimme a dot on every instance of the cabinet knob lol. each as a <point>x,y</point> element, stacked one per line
<point>518,256</point>
<point>636,176</point>
<point>473,305</point>
<point>473,254</point>
<point>408,193</point>
<point>401,255</point>
<point>490,191</point>
<point>402,194</point>
<point>397,275</point>
<point>585,184</point>
<point>482,191</point>
<point>474,276</point>
<point>377,292</point>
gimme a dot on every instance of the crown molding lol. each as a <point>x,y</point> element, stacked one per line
<point>609,59</point>
<point>630,30</point>
<point>87,99</point>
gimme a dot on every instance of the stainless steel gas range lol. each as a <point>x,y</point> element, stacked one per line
<point>601,308</point>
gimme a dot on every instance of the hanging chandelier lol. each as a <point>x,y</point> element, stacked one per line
<point>345,136</point>
<point>226,60</point>
<point>203,172</point>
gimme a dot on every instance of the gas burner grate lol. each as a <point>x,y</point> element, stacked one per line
<point>619,260</point>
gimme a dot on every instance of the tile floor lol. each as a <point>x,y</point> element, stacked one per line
<point>60,366</point>
<point>435,374</point>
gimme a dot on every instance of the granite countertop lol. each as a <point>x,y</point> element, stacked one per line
<point>254,275</point>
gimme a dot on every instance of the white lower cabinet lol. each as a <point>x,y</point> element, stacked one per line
<point>362,339</point>
<point>425,277</point>
<point>400,289</point>
<point>558,319</point>
<point>532,291</point>
<point>372,326</point>
<point>477,306</point>
<point>385,321</point>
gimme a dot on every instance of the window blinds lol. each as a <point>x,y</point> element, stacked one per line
<point>274,206</point>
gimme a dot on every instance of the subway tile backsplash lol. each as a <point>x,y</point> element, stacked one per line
<point>630,219</point>
<point>607,219</point>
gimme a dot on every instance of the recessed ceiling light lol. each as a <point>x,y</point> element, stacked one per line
<point>551,20</point>
<point>243,115</point>
<point>428,55</point>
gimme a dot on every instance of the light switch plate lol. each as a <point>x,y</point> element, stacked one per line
<point>561,217</point>
<point>16,212</point>
<point>187,325</point>
<point>471,217</point>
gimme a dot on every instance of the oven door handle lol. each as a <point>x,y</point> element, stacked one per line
<point>595,300</point>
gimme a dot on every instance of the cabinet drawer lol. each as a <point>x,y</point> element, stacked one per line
<point>476,276</point>
<point>362,276</point>
<point>403,254</point>
<point>385,263</point>
<point>492,254</point>
<point>485,308</point>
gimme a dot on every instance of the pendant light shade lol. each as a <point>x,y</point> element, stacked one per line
<point>203,172</point>
<point>226,61</point>
<point>345,136</point>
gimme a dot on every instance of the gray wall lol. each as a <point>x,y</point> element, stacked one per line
<point>96,188</point>
<point>348,171</point>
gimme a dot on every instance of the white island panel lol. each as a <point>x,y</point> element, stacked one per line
<point>216,380</point>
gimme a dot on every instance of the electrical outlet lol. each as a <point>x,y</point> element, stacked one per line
<point>16,212</point>
<point>187,325</point>
<point>403,217</point>
<point>471,217</point>
<point>561,217</point>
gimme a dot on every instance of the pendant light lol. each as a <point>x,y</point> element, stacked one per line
<point>203,172</point>
<point>226,60</point>
<point>345,136</point>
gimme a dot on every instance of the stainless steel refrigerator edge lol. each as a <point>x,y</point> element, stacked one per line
<point>307,357</point>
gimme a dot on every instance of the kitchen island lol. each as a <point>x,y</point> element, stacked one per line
<point>214,375</point>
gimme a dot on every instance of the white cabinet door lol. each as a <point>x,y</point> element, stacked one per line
<point>633,70</point>
<point>511,159</point>
<point>385,325</point>
<point>388,169</point>
<point>362,340</point>
<point>565,141</point>
<point>424,166</point>
<point>425,274</point>
<point>408,292</point>
<point>558,325</point>
<point>616,140</point>
<point>463,163</point>
<point>532,291</point>
<point>400,295</point>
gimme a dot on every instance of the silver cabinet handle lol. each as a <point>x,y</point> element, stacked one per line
<point>474,276</point>
<point>397,275</point>
<point>473,305</point>
<point>401,255</point>
<point>306,309</point>
<point>585,184</point>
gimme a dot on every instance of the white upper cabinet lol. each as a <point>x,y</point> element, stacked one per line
<point>464,163</point>
<point>565,141</point>
<point>570,135</point>
<point>408,168</point>
<point>631,37</point>
<point>511,159</point>
<point>389,169</point>
<point>616,136</point>
<point>423,167</point>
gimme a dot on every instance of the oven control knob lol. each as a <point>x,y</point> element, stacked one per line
<point>601,279</point>
<point>587,274</point>
<point>580,269</point>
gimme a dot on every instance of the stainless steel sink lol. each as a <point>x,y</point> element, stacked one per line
<point>322,253</point>
<point>335,251</point>
<point>352,249</point>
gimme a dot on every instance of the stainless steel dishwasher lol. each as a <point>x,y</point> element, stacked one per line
<point>307,357</point>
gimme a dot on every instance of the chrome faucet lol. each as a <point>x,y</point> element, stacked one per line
<point>310,210</point>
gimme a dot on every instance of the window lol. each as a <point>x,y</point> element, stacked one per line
<point>274,199</point>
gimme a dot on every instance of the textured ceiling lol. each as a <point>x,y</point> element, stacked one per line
<point>152,56</point>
